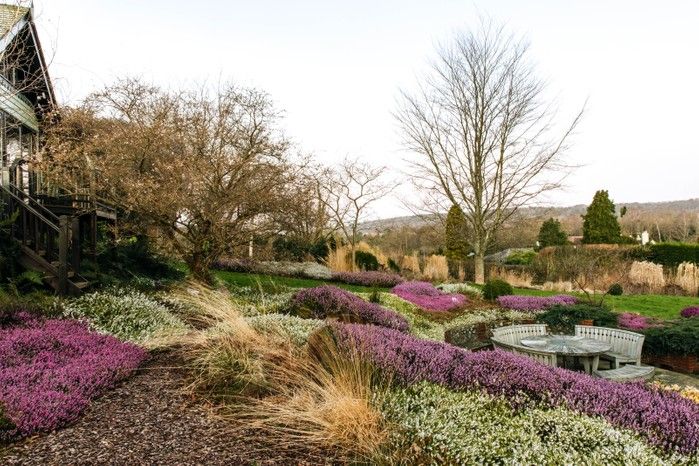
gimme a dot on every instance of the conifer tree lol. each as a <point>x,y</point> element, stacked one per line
<point>600,223</point>
<point>551,234</point>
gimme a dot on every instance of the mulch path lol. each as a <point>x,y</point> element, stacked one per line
<point>151,420</point>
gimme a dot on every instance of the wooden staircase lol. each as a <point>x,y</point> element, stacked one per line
<point>50,243</point>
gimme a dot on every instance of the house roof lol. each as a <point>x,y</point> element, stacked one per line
<point>9,15</point>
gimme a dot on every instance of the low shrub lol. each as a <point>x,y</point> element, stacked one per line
<point>462,288</point>
<point>563,319</point>
<point>428,297</point>
<point>128,315</point>
<point>520,258</point>
<point>664,419</point>
<point>50,370</point>
<point>286,269</point>
<point>434,425</point>
<point>375,278</point>
<point>295,329</point>
<point>534,303</point>
<point>631,321</point>
<point>329,301</point>
<point>616,290</point>
<point>692,311</point>
<point>679,338</point>
<point>366,261</point>
<point>493,289</point>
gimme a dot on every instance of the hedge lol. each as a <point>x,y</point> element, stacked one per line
<point>670,254</point>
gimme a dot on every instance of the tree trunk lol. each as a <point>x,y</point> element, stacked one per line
<point>479,271</point>
<point>199,267</point>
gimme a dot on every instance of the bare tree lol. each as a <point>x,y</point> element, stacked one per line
<point>204,170</point>
<point>348,191</point>
<point>482,133</point>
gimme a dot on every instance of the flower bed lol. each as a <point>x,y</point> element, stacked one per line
<point>428,297</point>
<point>631,321</point>
<point>665,419</point>
<point>692,311</point>
<point>370,278</point>
<point>534,303</point>
<point>50,370</point>
<point>283,268</point>
<point>329,301</point>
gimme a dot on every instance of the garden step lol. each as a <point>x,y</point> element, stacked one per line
<point>627,373</point>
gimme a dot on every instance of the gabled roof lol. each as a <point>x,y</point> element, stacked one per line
<point>9,15</point>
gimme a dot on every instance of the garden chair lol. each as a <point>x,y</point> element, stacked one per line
<point>626,346</point>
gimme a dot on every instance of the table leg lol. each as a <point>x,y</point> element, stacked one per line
<point>586,363</point>
<point>595,363</point>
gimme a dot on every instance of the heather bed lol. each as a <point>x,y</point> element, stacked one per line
<point>664,419</point>
<point>51,369</point>
<point>429,298</point>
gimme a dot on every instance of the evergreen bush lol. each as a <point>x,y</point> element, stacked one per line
<point>495,288</point>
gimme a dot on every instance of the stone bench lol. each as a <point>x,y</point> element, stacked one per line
<point>627,373</point>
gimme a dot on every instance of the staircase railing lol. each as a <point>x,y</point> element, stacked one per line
<point>43,235</point>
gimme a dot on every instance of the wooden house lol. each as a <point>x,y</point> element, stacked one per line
<point>54,229</point>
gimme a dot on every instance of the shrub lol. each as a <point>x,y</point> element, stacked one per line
<point>393,266</point>
<point>680,338</point>
<point>371,278</point>
<point>295,329</point>
<point>665,419</point>
<point>563,319</point>
<point>50,370</point>
<point>520,258</point>
<point>692,311</point>
<point>493,289</point>
<point>329,301</point>
<point>433,425</point>
<point>462,288</point>
<point>428,297</point>
<point>128,315</point>
<point>616,290</point>
<point>366,261</point>
<point>534,303</point>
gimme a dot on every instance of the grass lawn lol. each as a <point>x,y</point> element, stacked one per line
<point>275,284</point>
<point>660,306</point>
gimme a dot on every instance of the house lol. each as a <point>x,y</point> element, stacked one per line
<point>54,229</point>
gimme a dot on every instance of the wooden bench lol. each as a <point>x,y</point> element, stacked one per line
<point>627,373</point>
<point>509,338</point>
<point>626,346</point>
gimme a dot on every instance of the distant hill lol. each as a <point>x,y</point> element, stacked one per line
<point>689,206</point>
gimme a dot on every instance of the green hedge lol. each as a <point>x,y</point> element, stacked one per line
<point>669,254</point>
<point>563,319</point>
<point>680,338</point>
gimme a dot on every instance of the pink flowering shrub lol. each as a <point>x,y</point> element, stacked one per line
<point>631,321</point>
<point>665,419</point>
<point>429,298</point>
<point>51,369</point>
<point>692,311</point>
<point>329,301</point>
<point>369,278</point>
<point>534,303</point>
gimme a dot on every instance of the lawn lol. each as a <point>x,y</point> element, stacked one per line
<point>659,306</point>
<point>275,284</point>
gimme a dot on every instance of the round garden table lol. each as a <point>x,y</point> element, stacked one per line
<point>587,349</point>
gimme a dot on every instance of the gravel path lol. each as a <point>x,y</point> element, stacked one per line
<point>149,420</point>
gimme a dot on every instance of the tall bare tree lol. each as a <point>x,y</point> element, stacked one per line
<point>348,192</point>
<point>203,170</point>
<point>483,135</point>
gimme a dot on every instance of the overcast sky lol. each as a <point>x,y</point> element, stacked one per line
<point>335,68</point>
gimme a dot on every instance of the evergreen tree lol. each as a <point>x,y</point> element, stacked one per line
<point>457,247</point>
<point>600,224</point>
<point>551,234</point>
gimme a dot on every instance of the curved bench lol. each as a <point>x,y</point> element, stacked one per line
<point>626,346</point>
<point>509,338</point>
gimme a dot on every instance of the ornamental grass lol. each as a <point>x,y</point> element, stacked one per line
<point>534,303</point>
<point>329,301</point>
<point>429,298</point>
<point>51,369</point>
<point>664,419</point>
